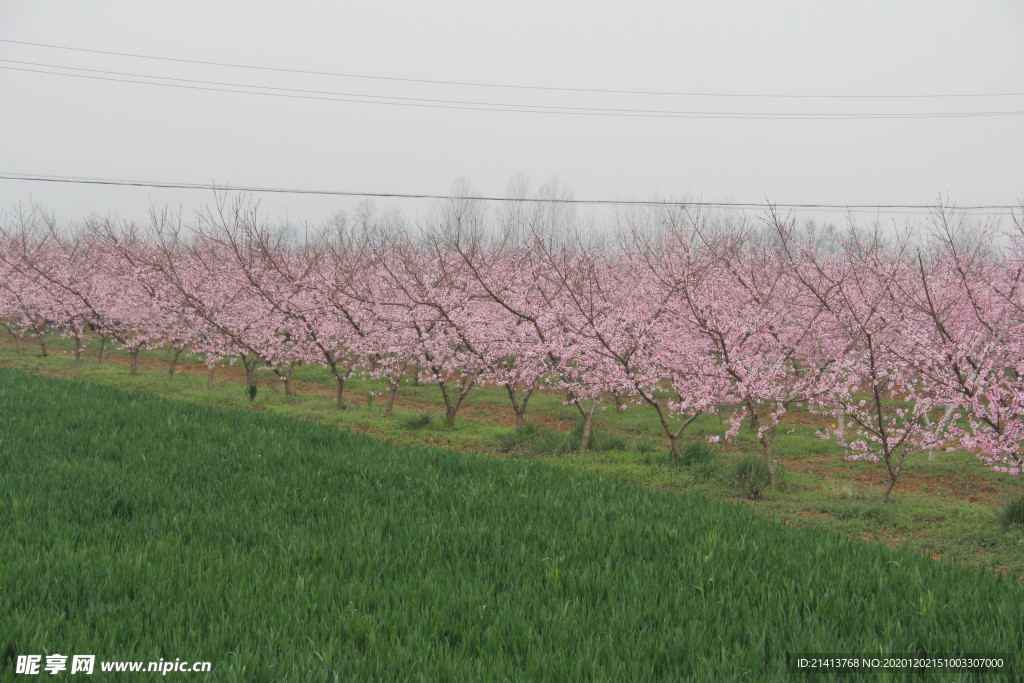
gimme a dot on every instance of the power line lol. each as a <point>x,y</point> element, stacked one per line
<point>478,84</point>
<point>294,93</point>
<point>887,208</point>
<point>387,99</point>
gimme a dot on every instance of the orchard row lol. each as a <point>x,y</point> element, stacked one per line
<point>914,340</point>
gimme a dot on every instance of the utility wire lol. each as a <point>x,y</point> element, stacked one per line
<point>477,84</point>
<point>888,208</point>
<point>214,86</point>
<point>257,88</point>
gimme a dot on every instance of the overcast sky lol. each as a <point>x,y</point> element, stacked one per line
<point>72,126</point>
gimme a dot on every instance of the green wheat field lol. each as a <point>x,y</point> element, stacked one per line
<point>279,549</point>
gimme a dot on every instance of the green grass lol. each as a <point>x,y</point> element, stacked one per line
<point>750,475</point>
<point>416,422</point>
<point>948,507</point>
<point>1012,513</point>
<point>279,549</point>
<point>531,440</point>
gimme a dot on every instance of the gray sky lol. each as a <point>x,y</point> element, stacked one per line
<point>58,125</point>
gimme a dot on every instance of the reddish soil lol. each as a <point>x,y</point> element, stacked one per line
<point>966,487</point>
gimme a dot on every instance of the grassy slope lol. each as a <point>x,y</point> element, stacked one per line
<point>279,549</point>
<point>946,507</point>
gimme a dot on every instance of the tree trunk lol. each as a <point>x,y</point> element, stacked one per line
<point>174,362</point>
<point>894,466</point>
<point>451,407</point>
<point>769,455</point>
<point>588,419</point>
<point>340,400</point>
<point>103,344</point>
<point>841,420</point>
<point>134,354</point>
<point>588,428</point>
<point>284,374</point>
<point>673,436</point>
<point>766,436</point>
<point>389,404</point>
<point>17,339</point>
<point>888,488</point>
<point>42,344</point>
<point>209,377</point>
<point>452,403</point>
<point>519,407</point>
<point>78,347</point>
<point>249,364</point>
